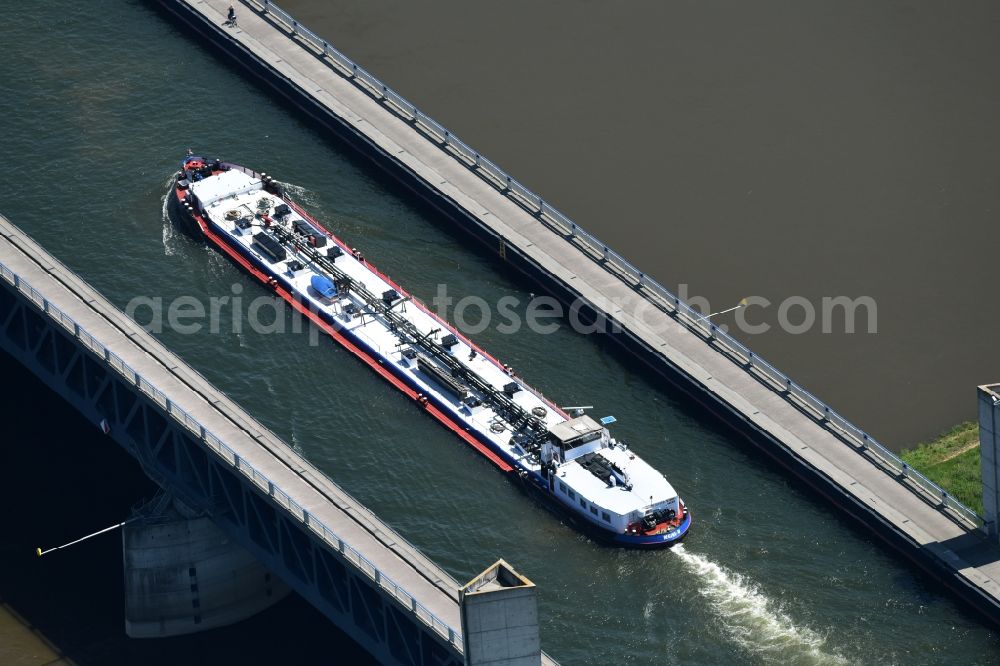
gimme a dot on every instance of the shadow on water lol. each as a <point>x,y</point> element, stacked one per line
<point>62,478</point>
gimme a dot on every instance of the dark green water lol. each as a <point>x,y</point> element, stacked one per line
<point>769,575</point>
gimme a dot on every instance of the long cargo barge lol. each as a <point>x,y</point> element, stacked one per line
<point>568,458</point>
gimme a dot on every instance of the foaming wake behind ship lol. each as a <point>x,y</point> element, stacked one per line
<point>570,459</point>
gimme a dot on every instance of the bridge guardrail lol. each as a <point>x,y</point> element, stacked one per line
<point>228,455</point>
<point>663,297</point>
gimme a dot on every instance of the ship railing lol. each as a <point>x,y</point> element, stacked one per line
<point>600,252</point>
<point>247,170</point>
<point>236,461</point>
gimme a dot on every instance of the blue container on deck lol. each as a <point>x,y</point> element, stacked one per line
<point>324,286</point>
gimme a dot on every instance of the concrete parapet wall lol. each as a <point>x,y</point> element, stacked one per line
<point>989,455</point>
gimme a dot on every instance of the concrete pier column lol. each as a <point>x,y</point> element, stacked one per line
<point>184,575</point>
<point>989,455</point>
<point>500,619</point>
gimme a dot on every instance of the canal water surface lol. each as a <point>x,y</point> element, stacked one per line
<point>99,102</point>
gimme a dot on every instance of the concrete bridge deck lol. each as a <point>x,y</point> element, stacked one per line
<point>826,451</point>
<point>281,473</point>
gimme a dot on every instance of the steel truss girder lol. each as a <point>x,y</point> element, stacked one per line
<point>182,464</point>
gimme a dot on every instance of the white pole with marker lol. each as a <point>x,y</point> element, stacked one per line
<point>41,552</point>
<point>741,304</point>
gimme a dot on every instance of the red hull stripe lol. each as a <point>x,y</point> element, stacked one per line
<point>418,303</point>
<point>354,349</point>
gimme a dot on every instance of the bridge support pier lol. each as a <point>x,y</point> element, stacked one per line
<point>184,575</point>
<point>989,455</point>
<point>500,619</point>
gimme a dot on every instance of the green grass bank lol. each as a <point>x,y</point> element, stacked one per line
<point>952,461</point>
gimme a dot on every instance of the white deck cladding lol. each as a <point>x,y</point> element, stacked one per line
<point>649,487</point>
<point>226,184</point>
